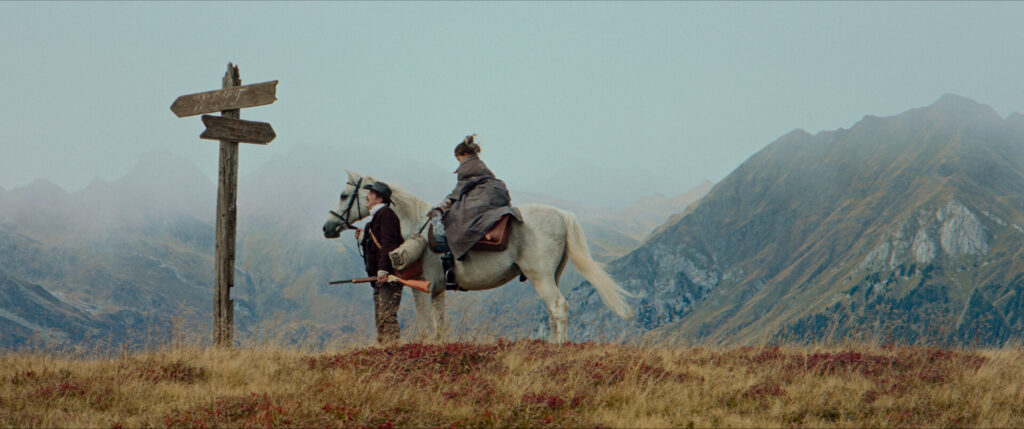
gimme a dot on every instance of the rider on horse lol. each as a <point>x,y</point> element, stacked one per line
<point>478,201</point>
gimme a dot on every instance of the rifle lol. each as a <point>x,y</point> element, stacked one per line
<point>420,285</point>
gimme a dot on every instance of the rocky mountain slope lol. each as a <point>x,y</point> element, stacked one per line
<point>30,317</point>
<point>906,228</point>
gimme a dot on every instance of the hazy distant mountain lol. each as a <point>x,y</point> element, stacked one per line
<point>28,312</point>
<point>906,228</point>
<point>143,244</point>
<point>131,246</point>
<point>30,315</point>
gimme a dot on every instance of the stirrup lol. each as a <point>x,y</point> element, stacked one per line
<point>449,280</point>
<point>448,265</point>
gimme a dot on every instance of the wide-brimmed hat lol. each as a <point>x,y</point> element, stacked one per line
<point>381,189</point>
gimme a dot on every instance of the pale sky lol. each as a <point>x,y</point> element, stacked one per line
<point>665,94</point>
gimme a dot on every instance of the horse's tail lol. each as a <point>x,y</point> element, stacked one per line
<point>611,293</point>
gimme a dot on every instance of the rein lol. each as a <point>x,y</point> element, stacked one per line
<point>355,196</point>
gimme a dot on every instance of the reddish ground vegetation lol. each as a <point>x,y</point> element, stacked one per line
<point>59,390</point>
<point>450,358</point>
<point>255,410</point>
<point>521,384</point>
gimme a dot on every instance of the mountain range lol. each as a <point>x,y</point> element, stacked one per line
<point>120,259</point>
<point>899,229</point>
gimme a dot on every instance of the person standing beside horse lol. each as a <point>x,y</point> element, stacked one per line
<point>383,234</point>
<point>478,201</point>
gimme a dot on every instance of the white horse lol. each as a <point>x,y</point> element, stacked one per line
<point>538,249</point>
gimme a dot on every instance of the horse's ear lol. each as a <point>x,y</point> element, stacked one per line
<point>352,176</point>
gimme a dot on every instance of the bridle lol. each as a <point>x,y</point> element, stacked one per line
<point>348,208</point>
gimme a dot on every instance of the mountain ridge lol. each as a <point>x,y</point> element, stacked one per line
<point>775,246</point>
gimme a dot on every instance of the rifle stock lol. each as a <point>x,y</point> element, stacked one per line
<point>420,285</point>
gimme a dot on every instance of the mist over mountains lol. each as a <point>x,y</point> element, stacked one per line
<point>899,229</point>
<point>117,259</point>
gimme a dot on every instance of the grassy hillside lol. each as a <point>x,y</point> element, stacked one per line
<point>517,384</point>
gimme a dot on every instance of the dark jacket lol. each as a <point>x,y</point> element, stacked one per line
<point>386,227</point>
<point>478,202</point>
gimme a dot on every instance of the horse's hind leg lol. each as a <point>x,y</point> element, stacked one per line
<point>558,307</point>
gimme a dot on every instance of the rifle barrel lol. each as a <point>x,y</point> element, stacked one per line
<point>420,285</point>
<point>360,280</point>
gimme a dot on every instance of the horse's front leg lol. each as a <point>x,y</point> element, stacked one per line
<point>439,321</point>
<point>424,320</point>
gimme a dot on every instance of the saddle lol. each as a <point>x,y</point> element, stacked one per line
<point>495,240</point>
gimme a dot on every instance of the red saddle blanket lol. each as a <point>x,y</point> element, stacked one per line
<point>497,238</point>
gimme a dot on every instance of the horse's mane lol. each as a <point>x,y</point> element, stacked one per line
<point>405,204</point>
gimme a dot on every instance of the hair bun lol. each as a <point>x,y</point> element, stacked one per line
<point>468,146</point>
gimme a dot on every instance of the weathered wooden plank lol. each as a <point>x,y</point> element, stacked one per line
<point>237,130</point>
<point>227,191</point>
<point>228,98</point>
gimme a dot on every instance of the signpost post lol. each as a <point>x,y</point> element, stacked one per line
<point>230,130</point>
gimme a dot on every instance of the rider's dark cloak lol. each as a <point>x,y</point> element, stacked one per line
<point>478,202</point>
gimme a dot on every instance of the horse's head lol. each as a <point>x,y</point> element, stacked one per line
<point>351,206</point>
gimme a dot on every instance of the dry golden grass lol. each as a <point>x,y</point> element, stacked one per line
<point>518,384</point>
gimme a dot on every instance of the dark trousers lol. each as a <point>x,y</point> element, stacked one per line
<point>386,298</point>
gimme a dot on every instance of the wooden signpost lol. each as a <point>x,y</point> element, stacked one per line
<point>230,131</point>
